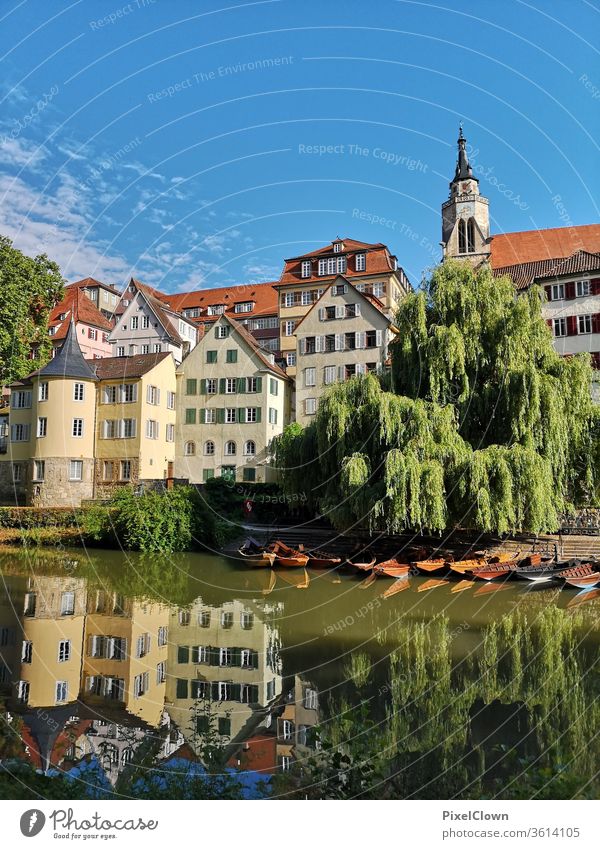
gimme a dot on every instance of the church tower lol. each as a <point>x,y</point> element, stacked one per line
<point>465,215</point>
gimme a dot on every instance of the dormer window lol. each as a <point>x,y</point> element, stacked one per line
<point>360,262</point>
<point>216,309</point>
<point>62,316</point>
<point>305,268</point>
<point>322,267</point>
<point>338,247</point>
<point>131,289</point>
<point>247,306</point>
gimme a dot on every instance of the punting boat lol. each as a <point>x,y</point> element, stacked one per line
<point>435,566</point>
<point>255,555</point>
<point>364,561</point>
<point>391,568</point>
<point>543,573</point>
<point>460,567</point>
<point>322,560</point>
<point>584,576</point>
<point>493,572</point>
<point>287,556</point>
<point>584,596</point>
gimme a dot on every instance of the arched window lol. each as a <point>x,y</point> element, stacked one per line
<point>189,449</point>
<point>209,447</point>
<point>471,235</point>
<point>230,448</point>
<point>462,236</point>
<point>250,448</point>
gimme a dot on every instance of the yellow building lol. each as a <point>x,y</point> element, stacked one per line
<point>227,657</point>
<point>125,655</point>
<point>135,421</point>
<point>232,400</point>
<point>50,453</point>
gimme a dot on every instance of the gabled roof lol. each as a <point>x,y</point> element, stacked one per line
<point>69,361</point>
<point>263,295</point>
<point>167,316</point>
<point>78,306</point>
<point>371,299</point>
<point>349,245</point>
<point>119,368</point>
<point>526,273</point>
<point>538,245</point>
<point>251,341</point>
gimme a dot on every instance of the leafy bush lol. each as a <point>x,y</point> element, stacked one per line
<point>38,517</point>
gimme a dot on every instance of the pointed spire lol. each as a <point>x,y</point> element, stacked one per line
<point>463,168</point>
<point>69,361</point>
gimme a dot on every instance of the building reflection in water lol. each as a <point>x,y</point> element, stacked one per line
<point>96,675</point>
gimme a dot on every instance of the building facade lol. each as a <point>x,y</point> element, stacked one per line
<point>254,306</point>
<point>135,422</point>
<point>231,401</point>
<point>344,333</point>
<point>92,327</point>
<point>104,297</point>
<point>146,324</point>
<point>371,268</point>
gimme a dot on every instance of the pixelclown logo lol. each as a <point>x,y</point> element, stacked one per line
<point>32,822</point>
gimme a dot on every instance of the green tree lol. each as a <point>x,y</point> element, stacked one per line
<point>487,426</point>
<point>29,289</point>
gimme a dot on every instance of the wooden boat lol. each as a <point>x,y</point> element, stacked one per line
<point>287,556</point>
<point>436,566</point>
<point>584,576</point>
<point>494,572</point>
<point>398,586</point>
<point>460,567</point>
<point>542,573</point>
<point>257,558</point>
<point>431,585</point>
<point>322,560</point>
<point>364,562</point>
<point>391,568</point>
<point>584,596</point>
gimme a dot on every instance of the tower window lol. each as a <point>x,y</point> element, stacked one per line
<point>462,236</point>
<point>471,235</point>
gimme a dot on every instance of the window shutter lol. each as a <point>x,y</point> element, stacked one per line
<point>236,657</point>
<point>570,290</point>
<point>595,286</point>
<point>571,325</point>
<point>214,688</point>
<point>202,417</point>
<point>549,323</point>
<point>241,384</point>
<point>221,415</point>
<point>339,342</point>
<point>217,333</point>
<point>379,338</point>
<point>259,384</point>
<point>222,385</point>
<point>341,373</point>
<point>340,311</point>
<point>236,692</point>
<point>203,386</point>
<point>241,415</point>
<point>596,323</point>
<point>317,344</point>
<point>321,313</point>
<point>548,292</point>
<point>258,414</point>
<point>356,309</point>
<point>303,346</point>
<point>358,339</point>
<point>254,660</point>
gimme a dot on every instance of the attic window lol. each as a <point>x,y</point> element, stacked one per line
<point>338,247</point>
<point>305,268</point>
<point>361,262</point>
<point>247,306</point>
<point>131,289</point>
<point>62,316</point>
<point>216,309</point>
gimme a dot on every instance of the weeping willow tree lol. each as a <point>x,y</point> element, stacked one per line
<point>487,426</point>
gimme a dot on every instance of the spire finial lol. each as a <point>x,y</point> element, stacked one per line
<point>460,132</point>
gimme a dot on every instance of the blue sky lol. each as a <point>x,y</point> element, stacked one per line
<point>197,144</point>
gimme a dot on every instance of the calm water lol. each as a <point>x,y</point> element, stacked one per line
<point>466,694</point>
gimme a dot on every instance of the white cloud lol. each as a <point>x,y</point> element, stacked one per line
<point>20,152</point>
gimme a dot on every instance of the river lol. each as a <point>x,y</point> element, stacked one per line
<point>111,658</point>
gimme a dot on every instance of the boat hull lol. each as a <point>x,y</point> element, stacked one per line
<point>291,561</point>
<point>266,558</point>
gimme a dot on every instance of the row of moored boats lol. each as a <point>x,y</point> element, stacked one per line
<point>535,566</point>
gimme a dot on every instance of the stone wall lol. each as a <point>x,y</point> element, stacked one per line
<point>56,490</point>
<point>104,488</point>
<point>11,494</point>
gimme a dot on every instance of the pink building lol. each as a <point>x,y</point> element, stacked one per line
<point>91,325</point>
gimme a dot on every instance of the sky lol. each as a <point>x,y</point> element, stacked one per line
<point>199,144</point>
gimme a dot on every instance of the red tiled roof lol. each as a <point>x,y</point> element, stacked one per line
<point>117,368</point>
<point>375,302</point>
<point>257,754</point>
<point>77,304</point>
<point>91,282</point>
<point>538,245</point>
<point>379,260</point>
<point>524,274</point>
<point>263,295</point>
<point>157,302</point>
